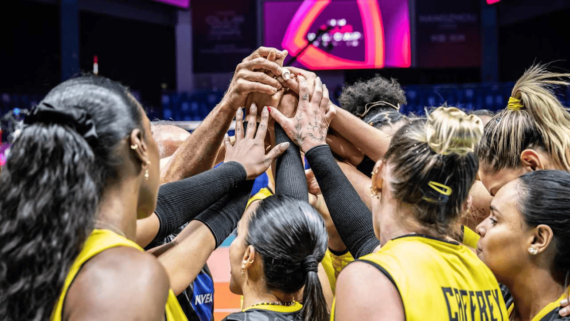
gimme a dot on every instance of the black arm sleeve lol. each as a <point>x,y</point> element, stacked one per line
<point>222,217</point>
<point>290,177</point>
<point>350,215</point>
<point>179,202</point>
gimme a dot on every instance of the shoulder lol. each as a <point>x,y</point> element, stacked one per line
<point>119,283</point>
<point>362,285</point>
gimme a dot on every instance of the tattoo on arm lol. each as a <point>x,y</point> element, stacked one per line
<point>305,97</point>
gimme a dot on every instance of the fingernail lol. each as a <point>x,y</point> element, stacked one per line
<point>563,312</point>
<point>269,108</point>
<point>265,109</point>
<point>285,145</point>
<point>239,112</point>
<point>564,302</point>
<point>253,106</point>
<point>226,136</point>
<point>319,82</point>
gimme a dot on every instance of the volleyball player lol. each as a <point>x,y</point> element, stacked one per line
<point>95,150</point>
<point>532,133</point>
<point>425,179</point>
<point>526,243</point>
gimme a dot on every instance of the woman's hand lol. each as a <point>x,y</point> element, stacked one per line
<point>309,127</point>
<point>263,99</point>
<point>249,150</point>
<point>253,75</point>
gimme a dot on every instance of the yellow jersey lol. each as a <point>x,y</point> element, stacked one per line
<point>470,237</point>
<point>333,264</point>
<point>261,195</point>
<point>97,242</point>
<point>549,312</point>
<point>439,280</point>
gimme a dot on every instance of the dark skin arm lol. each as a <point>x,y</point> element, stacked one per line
<point>198,153</point>
<point>118,284</point>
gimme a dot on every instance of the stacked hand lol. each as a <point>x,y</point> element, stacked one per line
<point>308,128</point>
<point>249,149</point>
<point>254,75</point>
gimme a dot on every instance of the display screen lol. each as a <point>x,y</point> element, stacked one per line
<point>329,34</point>
<point>178,3</point>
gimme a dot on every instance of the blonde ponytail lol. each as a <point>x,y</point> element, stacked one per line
<point>534,118</point>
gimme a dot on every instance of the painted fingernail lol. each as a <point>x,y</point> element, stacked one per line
<point>253,106</point>
<point>564,302</point>
<point>269,108</point>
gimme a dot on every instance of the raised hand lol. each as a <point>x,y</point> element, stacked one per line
<point>253,75</point>
<point>263,99</point>
<point>308,128</point>
<point>249,149</point>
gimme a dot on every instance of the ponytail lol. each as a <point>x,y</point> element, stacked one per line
<point>534,118</point>
<point>291,238</point>
<point>314,303</point>
<point>51,185</point>
<point>48,197</point>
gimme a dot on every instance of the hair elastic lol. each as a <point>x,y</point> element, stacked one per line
<point>367,108</point>
<point>311,264</point>
<point>514,104</point>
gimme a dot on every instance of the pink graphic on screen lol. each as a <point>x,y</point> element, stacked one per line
<point>178,3</point>
<point>492,1</point>
<point>361,34</point>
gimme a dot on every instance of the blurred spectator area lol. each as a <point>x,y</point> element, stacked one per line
<point>196,106</point>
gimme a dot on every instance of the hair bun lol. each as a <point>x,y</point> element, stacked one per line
<point>451,131</point>
<point>79,119</point>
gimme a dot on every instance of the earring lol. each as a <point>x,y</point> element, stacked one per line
<point>250,262</point>
<point>135,146</point>
<point>374,192</point>
<point>146,171</point>
<point>532,251</point>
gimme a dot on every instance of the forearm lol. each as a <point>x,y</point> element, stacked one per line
<point>199,152</point>
<point>359,181</point>
<point>290,177</point>
<point>222,217</point>
<point>351,217</point>
<point>180,202</point>
<point>369,140</point>
<point>185,257</point>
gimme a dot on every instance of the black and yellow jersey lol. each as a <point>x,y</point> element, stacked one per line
<point>548,313</point>
<point>439,280</point>
<point>333,264</point>
<point>268,313</point>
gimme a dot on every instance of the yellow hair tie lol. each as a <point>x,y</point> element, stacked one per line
<point>515,104</point>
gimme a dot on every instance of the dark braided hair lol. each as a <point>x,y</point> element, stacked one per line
<point>291,238</point>
<point>50,190</point>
